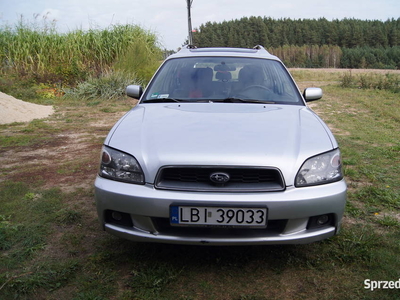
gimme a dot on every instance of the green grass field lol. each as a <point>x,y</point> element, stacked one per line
<point>52,247</point>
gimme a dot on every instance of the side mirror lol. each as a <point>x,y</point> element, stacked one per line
<point>312,94</point>
<point>134,91</point>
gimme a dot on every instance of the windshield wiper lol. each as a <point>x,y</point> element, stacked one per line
<point>161,100</point>
<point>240,100</point>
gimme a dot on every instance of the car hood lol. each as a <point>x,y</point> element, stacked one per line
<point>216,134</point>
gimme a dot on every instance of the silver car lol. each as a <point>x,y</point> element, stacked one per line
<point>221,150</point>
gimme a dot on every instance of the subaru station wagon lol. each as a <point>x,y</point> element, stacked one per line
<point>221,149</point>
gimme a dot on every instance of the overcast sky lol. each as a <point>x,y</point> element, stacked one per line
<point>168,18</point>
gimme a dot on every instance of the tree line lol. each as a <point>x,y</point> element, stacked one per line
<point>347,43</point>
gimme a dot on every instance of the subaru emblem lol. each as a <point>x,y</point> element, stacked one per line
<point>219,177</point>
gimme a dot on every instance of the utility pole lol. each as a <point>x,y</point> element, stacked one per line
<point>190,37</point>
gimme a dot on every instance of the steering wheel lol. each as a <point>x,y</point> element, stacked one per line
<point>254,91</point>
<point>255,86</point>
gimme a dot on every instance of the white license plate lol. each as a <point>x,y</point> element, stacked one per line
<point>218,216</point>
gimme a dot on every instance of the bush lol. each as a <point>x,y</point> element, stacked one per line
<point>390,82</point>
<point>110,85</point>
<point>347,80</point>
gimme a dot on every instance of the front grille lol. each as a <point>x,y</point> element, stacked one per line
<point>240,179</point>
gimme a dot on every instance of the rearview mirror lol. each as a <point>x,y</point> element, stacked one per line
<point>224,68</point>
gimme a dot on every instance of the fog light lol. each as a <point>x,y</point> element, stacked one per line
<point>322,220</point>
<point>116,216</point>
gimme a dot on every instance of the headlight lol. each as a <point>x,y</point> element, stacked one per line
<point>120,166</point>
<point>320,169</point>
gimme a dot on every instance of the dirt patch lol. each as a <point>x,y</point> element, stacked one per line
<point>68,162</point>
<point>66,154</point>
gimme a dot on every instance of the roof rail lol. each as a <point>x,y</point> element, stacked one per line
<point>259,47</point>
<point>191,47</point>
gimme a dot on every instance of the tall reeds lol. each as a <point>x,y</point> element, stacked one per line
<point>39,51</point>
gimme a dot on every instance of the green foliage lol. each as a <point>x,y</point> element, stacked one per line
<point>368,57</point>
<point>150,280</point>
<point>37,51</point>
<point>142,56</point>
<point>347,80</point>
<point>309,56</point>
<point>354,245</point>
<point>388,221</point>
<point>109,85</point>
<point>68,216</point>
<point>347,43</point>
<point>20,88</point>
<point>28,212</point>
<point>47,276</point>
<point>7,230</point>
<point>390,82</point>
<point>375,196</point>
<point>346,33</point>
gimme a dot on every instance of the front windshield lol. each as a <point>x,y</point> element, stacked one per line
<point>213,79</point>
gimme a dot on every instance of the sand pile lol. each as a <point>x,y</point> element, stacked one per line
<point>14,110</point>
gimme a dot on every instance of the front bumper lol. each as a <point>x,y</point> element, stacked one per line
<point>289,214</point>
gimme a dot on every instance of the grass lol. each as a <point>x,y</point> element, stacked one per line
<point>51,246</point>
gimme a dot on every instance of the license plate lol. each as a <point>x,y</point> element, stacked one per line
<point>218,216</point>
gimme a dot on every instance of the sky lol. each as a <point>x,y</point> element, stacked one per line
<point>168,18</point>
